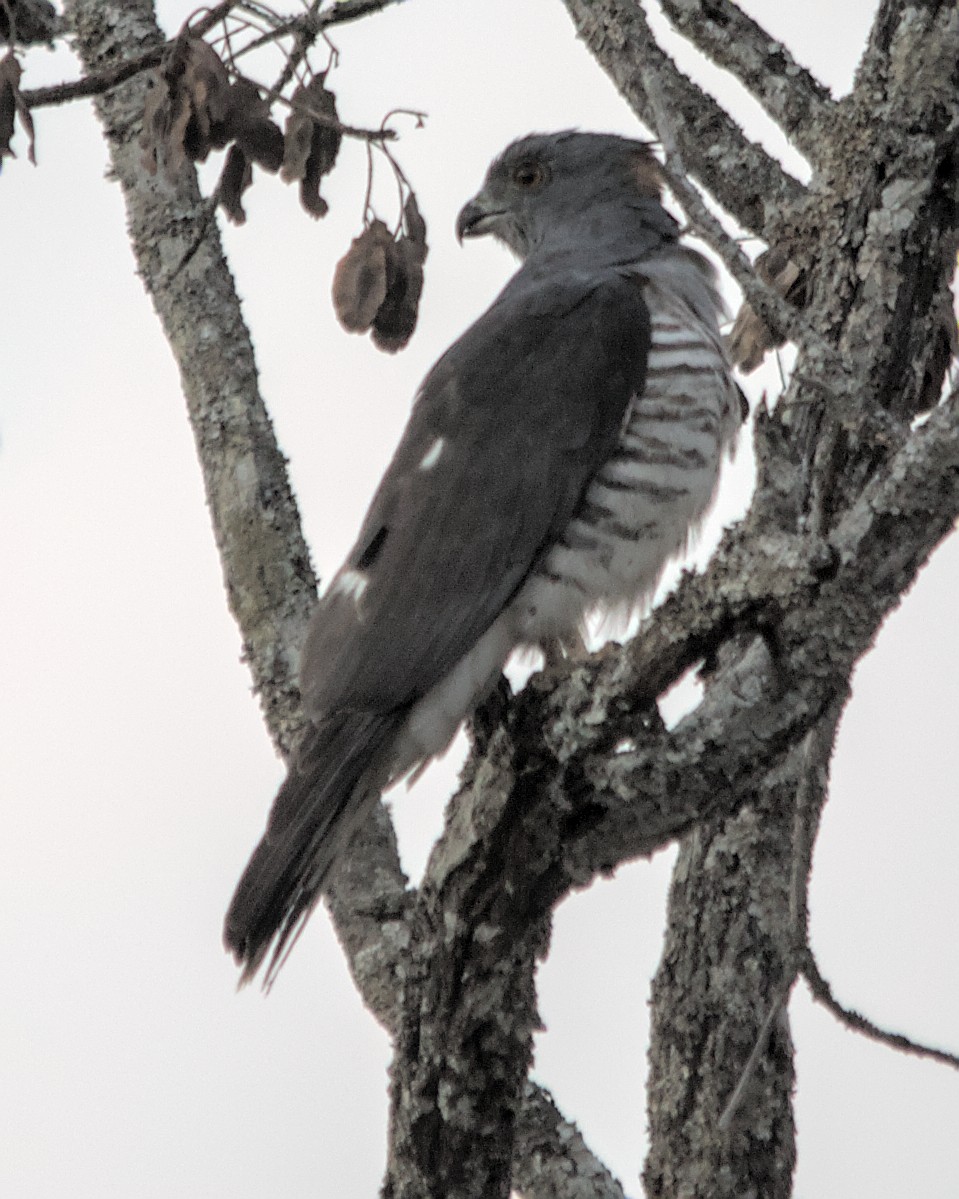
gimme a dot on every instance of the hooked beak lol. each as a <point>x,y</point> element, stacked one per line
<point>477,217</point>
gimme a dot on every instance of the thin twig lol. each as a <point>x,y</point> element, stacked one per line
<point>822,993</point>
<point>103,81</point>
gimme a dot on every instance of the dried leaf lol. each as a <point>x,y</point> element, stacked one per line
<point>396,317</point>
<point>236,177</point>
<point>12,104</point>
<point>311,145</point>
<point>248,123</point>
<point>360,278</point>
<point>9,82</point>
<point>749,338</point>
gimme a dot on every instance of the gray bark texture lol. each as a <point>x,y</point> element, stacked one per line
<point>577,773</point>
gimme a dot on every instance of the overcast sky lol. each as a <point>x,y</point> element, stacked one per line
<point>135,773</point>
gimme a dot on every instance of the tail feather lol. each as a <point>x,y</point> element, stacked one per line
<point>336,775</point>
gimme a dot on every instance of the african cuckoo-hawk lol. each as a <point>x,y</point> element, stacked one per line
<point>557,455</point>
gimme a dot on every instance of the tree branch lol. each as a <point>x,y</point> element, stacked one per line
<point>270,582</point>
<point>822,993</point>
<point>548,806</point>
<point>581,809</point>
<point>747,182</point>
<point>809,766</point>
<point>269,579</point>
<point>797,101</point>
<point>781,623</point>
<point>550,1158</point>
<point>97,83</point>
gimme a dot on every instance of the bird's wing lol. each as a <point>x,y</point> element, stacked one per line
<point>507,431</point>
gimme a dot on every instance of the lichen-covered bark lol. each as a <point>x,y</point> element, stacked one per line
<point>727,954</point>
<point>789,93</point>
<point>270,582</point>
<point>577,773</point>
<point>269,579</point>
<point>875,238</point>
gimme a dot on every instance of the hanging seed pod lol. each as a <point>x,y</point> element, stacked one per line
<point>187,108</point>
<point>395,320</point>
<point>311,146</point>
<point>360,278</point>
<point>396,317</point>
<point>248,124</point>
<point>236,177</point>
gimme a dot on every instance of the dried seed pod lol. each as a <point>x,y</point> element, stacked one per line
<point>360,278</point>
<point>396,317</point>
<point>415,226</point>
<point>311,145</point>
<point>310,196</point>
<point>29,22</point>
<point>297,139</point>
<point>187,107</point>
<point>248,124</point>
<point>236,177</point>
<point>749,338</point>
<point>207,87</point>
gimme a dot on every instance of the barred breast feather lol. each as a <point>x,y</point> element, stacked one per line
<point>653,493</point>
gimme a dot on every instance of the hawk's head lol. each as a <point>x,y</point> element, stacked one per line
<point>543,183</point>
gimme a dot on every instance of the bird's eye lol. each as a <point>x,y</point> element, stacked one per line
<point>529,175</point>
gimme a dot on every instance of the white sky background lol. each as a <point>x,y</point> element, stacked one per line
<point>135,773</point>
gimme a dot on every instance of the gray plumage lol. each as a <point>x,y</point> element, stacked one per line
<point>557,455</point>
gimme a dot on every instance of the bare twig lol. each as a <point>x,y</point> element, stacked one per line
<point>822,993</point>
<point>789,93</point>
<point>100,82</point>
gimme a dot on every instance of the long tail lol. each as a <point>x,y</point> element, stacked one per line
<point>336,775</point>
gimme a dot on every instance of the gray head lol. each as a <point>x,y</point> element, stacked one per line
<point>548,186</point>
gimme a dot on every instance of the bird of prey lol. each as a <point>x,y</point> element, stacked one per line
<point>556,457</point>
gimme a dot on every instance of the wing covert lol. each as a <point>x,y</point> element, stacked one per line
<point>505,434</point>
